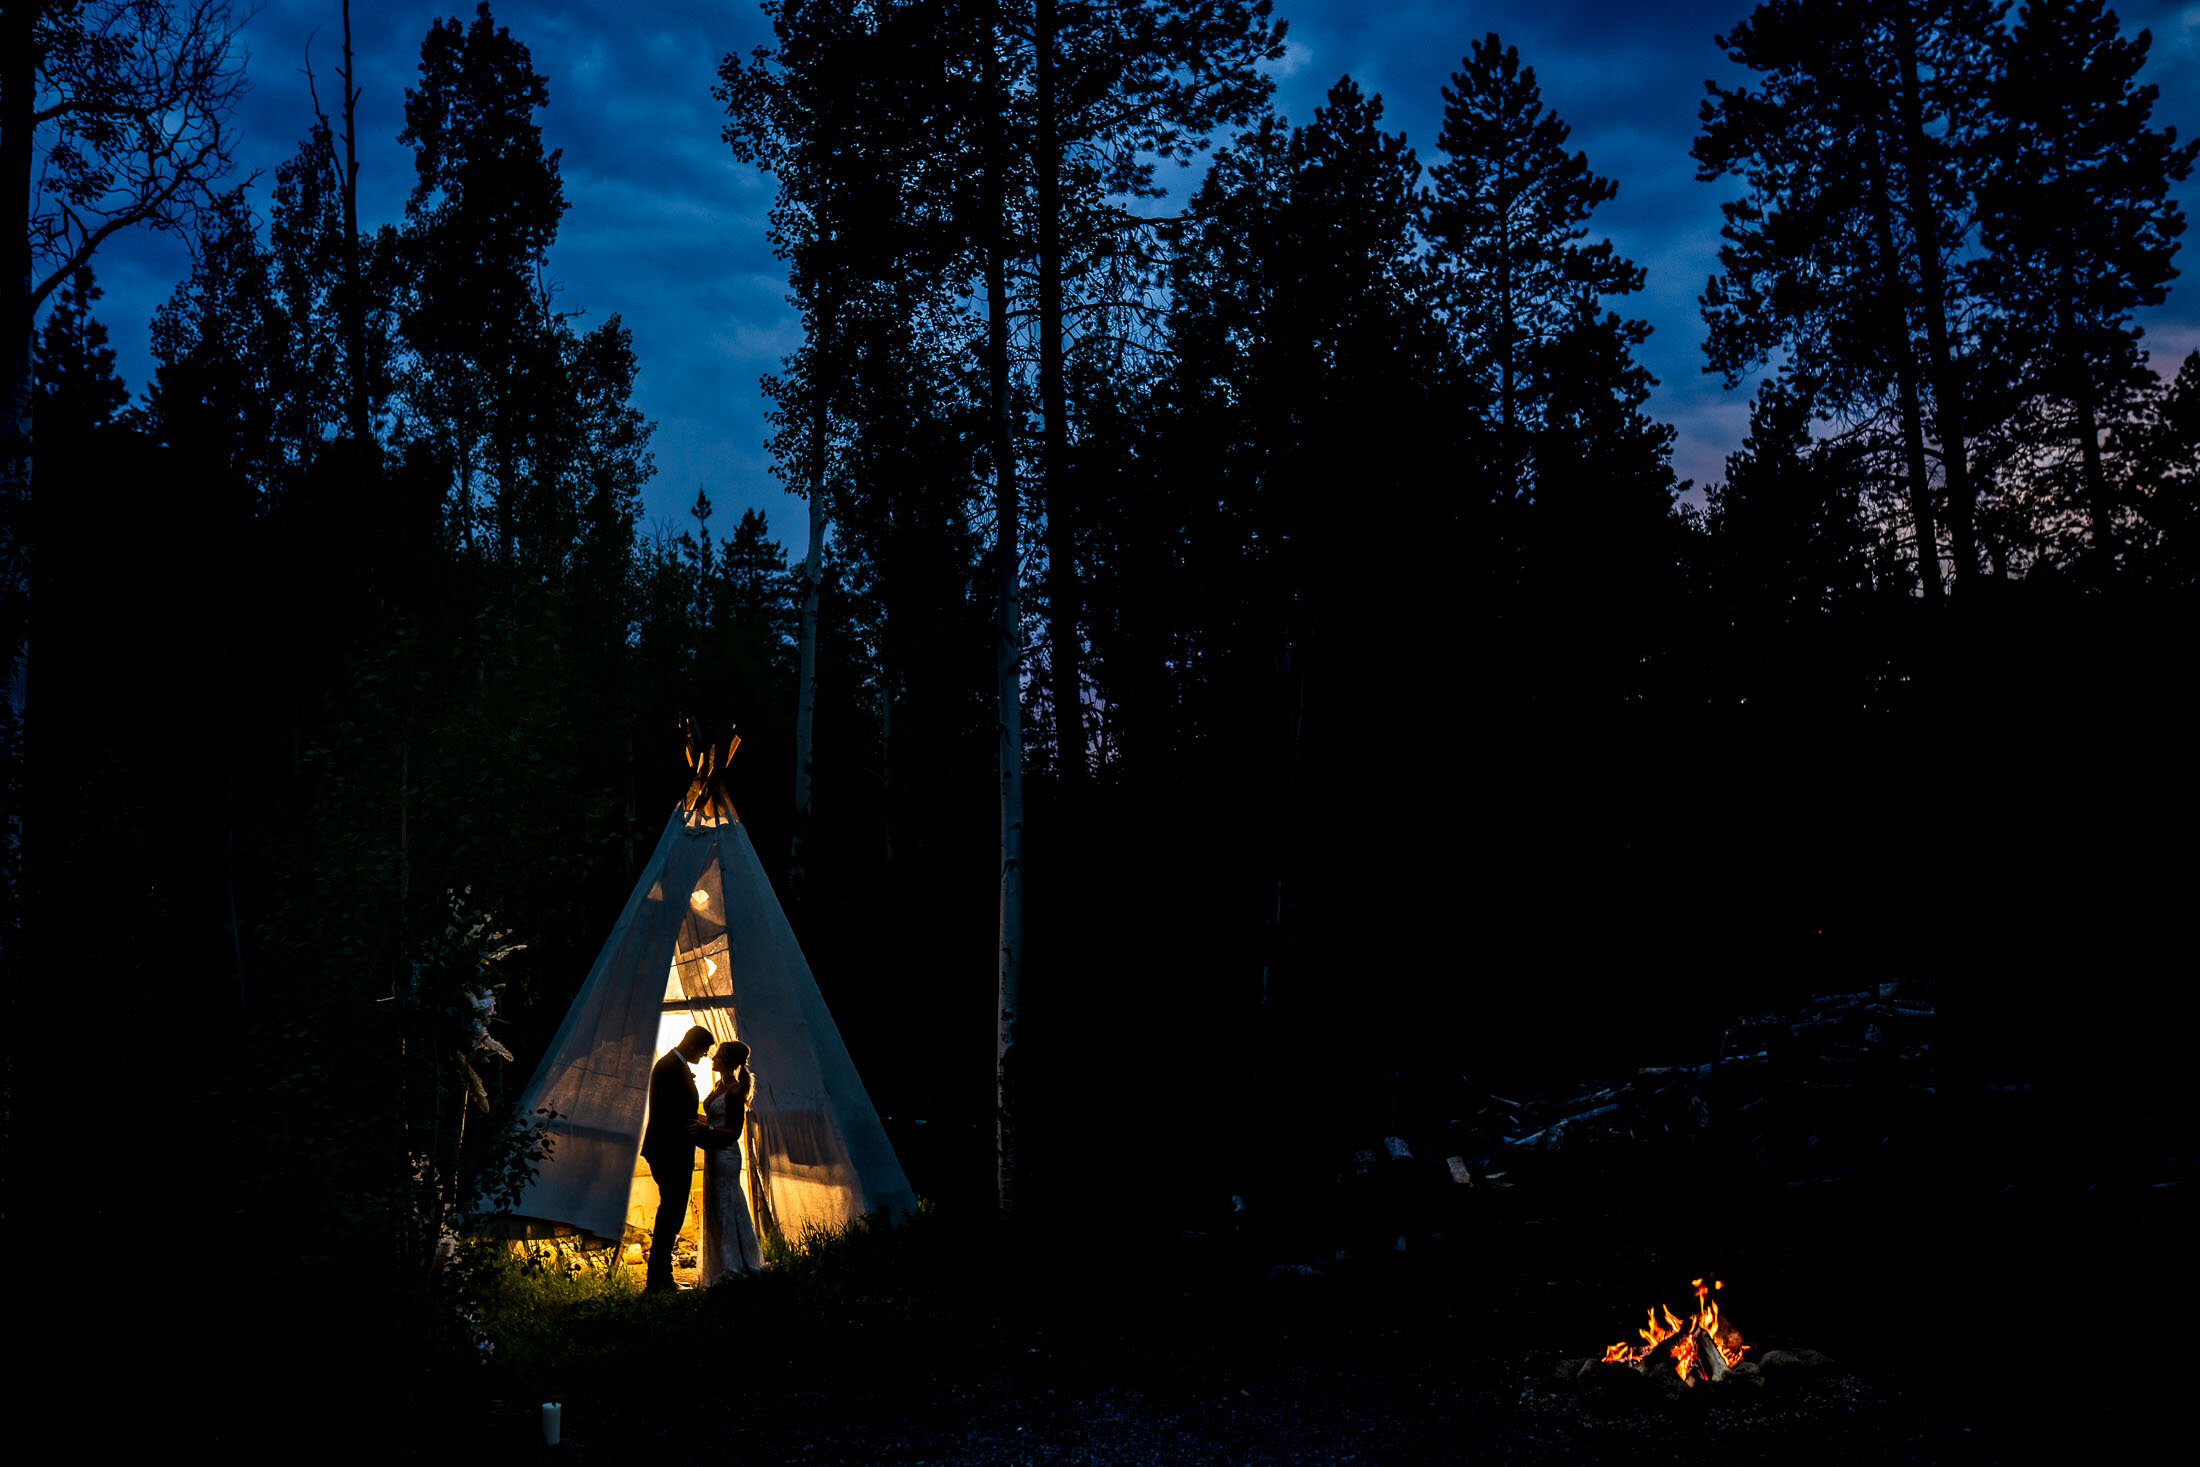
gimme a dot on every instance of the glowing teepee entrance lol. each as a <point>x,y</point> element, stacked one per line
<point>703,941</point>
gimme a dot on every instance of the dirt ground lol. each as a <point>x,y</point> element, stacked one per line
<point>1959,1330</point>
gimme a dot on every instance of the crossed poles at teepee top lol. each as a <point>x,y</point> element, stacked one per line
<point>706,792</point>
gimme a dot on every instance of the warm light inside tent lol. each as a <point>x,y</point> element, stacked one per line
<point>671,1029</point>
<point>798,1200</point>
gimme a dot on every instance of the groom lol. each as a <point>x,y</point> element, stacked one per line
<point>668,1145</point>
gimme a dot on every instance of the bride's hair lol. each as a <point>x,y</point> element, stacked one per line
<point>728,1058</point>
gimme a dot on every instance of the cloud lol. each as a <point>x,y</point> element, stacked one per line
<point>1297,56</point>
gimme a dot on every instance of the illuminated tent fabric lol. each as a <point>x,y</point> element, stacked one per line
<point>704,941</point>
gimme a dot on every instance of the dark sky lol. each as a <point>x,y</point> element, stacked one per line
<point>665,230</point>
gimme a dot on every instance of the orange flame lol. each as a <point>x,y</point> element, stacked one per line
<point>1676,1336</point>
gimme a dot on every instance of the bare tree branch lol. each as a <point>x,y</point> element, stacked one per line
<point>135,103</point>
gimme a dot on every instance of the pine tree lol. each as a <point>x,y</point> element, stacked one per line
<point>79,394</point>
<point>1854,147</point>
<point>1510,213</point>
<point>218,344</point>
<point>482,215</point>
<point>1567,479</point>
<point>306,249</point>
<point>1789,547</point>
<point>2165,456</point>
<point>2080,222</point>
<point>1117,90</point>
<point>754,562</point>
<point>1301,378</point>
<point>859,116</point>
<point>1599,548</point>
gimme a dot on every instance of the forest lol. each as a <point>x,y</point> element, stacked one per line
<point>1250,662</point>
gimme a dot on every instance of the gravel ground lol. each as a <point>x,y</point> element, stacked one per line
<point>1397,1413</point>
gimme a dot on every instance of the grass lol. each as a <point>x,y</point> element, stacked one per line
<point>840,1311</point>
<point>896,1321</point>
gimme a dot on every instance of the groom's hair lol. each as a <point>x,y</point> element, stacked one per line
<point>698,1032</point>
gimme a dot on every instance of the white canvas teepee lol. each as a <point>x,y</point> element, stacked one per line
<point>704,941</point>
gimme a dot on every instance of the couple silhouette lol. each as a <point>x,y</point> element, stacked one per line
<point>679,1122</point>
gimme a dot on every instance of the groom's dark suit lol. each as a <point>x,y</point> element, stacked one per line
<point>668,1145</point>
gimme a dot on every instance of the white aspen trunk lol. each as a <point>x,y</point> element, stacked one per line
<point>1054,493</point>
<point>1009,696</point>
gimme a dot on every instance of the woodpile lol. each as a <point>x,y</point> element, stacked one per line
<point>1807,1096</point>
<point>1620,1381</point>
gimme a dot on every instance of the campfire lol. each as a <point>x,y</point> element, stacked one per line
<point>1676,1353</point>
<point>1703,1346</point>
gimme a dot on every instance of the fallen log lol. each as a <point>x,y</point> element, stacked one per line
<point>1551,1135</point>
<point>1700,1072</point>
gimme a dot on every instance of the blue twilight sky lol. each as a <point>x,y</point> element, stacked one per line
<point>668,232</point>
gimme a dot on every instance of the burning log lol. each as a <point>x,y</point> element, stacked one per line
<point>1710,1360</point>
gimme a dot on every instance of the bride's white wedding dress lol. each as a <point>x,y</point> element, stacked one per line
<point>729,1247</point>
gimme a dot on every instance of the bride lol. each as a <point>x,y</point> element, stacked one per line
<point>729,1236</point>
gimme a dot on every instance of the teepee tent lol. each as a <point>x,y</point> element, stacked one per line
<point>703,941</point>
